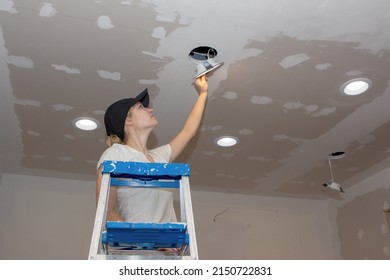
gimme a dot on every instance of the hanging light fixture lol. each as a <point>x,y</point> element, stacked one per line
<point>331,184</point>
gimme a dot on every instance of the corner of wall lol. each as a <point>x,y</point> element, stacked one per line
<point>358,220</point>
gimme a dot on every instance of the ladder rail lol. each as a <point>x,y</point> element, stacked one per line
<point>188,215</point>
<point>100,218</point>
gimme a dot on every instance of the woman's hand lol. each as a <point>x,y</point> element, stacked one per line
<point>201,85</point>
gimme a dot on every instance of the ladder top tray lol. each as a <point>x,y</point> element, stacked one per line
<point>146,169</point>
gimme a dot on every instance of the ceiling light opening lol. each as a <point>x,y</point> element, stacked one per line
<point>204,58</point>
<point>85,123</point>
<point>355,86</point>
<point>226,141</point>
<point>202,53</point>
<point>336,155</point>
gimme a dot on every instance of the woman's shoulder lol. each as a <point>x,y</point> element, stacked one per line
<point>114,151</point>
<point>116,147</point>
<point>162,153</point>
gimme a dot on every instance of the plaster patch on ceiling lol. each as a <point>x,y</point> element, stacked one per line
<point>20,61</point>
<point>245,131</point>
<point>261,159</point>
<point>386,250</point>
<point>360,234</point>
<point>324,112</point>
<point>167,16</point>
<point>227,155</point>
<point>38,156</point>
<point>323,66</point>
<point>385,206</point>
<point>293,105</point>
<point>33,133</point>
<point>296,105</point>
<point>70,136</point>
<point>294,60</point>
<point>264,100</point>
<point>155,56</point>
<point>116,76</point>
<point>208,153</point>
<point>9,119</point>
<point>311,108</point>
<point>230,95</point>
<point>67,70</point>
<point>282,137</point>
<point>361,147</point>
<point>62,107</point>
<point>47,10</point>
<point>126,3</point>
<point>27,102</point>
<point>159,32</point>
<point>146,82</point>
<point>354,73</point>
<point>216,127</point>
<point>104,22</point>
<point>211,127</point>
<point>8,6</point>
<point>65,158</point>
<point>98,112</point>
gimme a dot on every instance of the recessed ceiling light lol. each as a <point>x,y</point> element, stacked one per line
<point>86,123</point>
<point>226,141</point>
<point>355,86</point>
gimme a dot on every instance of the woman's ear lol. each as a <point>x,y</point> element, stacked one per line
<point>128,121</point>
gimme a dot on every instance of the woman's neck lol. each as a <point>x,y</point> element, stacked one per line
<point>138,142</point>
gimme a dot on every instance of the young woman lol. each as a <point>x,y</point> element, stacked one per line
<point>129,123</point>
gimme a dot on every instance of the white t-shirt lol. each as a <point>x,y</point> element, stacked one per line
<point>142,204</point>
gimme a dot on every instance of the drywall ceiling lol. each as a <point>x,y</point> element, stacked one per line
<point>278,90</point>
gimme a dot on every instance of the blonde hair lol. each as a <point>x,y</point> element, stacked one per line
<point>113,139</point>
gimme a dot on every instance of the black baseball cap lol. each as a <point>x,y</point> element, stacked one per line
<point>115,116</point>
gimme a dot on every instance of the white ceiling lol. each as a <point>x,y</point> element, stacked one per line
<point>278,90</point>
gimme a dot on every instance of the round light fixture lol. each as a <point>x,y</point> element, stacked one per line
<point>355,86</point>
<point>226,141</point>
<point>85,123</point>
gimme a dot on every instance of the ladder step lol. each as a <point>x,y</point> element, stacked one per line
<point>145,236</point>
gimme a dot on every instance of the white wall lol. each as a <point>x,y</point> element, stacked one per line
<point>249,227</point>
<point>46,218</point>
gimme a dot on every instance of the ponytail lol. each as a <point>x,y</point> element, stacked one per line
<point>113,139</point>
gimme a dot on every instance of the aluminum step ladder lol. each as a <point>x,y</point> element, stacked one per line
<point>143,241</point>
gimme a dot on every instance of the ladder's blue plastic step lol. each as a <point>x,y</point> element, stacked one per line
<point>145,236</point>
